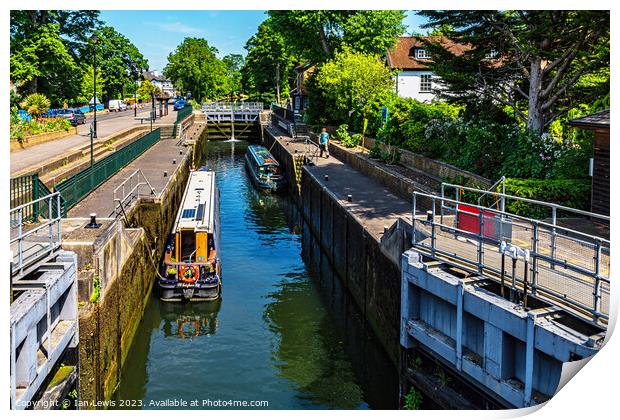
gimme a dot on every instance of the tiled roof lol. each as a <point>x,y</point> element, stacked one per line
<point>596,120</point>
<point>402,55</point>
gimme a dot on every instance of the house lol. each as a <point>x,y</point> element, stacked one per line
<point>599,124</point>
<point>409,56</point>
<point>299,95</point>
<point>158,80</point>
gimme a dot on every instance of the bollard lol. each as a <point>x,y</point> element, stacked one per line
<point>174,161</point>
<point>181,151</point>
<point>429,216</point>
<point>326,177</point>
<point>349,197</point>
<point>165,174</point>
<point>385,229</point>
<point>93,222</point>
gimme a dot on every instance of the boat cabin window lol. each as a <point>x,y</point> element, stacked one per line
<point>269,170</point>
<point>188,245</point>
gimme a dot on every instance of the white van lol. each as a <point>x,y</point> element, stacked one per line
<point>117,105</point>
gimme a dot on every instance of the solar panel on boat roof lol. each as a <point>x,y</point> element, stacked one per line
<point>188,213</point>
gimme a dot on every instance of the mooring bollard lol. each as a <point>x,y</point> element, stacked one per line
<point>165,174</point>
<point>326,177</point>
<point>385,229</point>
<point>180,151</point>
<point>349,197</point>
<point>93,222</point>
<point>429,215</point>
<point>174,161</point>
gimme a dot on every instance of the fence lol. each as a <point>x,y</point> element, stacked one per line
<point>78,186</point>
<point>285,114</point>
<point>32,246</point>
<point>562,265</point>
<point>255,107</point>
<point>27,189</point>
<point>130,189</point>
<point>184,113</point>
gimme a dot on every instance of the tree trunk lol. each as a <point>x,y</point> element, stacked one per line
<point>278,82</point>
<point>324,41</point>
<point>535,115</point>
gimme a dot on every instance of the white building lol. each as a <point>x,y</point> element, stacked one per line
<point>158,80</point>
<point>414,78</point>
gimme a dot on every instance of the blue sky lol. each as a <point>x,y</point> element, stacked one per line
<point>156,33</point>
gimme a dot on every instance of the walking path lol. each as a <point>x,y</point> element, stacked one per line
<point>36,154</point>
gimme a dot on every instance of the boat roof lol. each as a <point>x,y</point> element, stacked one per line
<point>262,156</point>
<point>198,206</point>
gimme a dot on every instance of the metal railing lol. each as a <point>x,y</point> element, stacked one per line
<point>255,107</point>
<point>561,265</point>
<point>129,190</point>
<point>27,189</point>
<point>31,246</point>
<point>285,114</point>
<point>78,186</point>
<point>183,113</point>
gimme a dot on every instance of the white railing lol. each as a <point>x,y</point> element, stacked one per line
<point>130,189</point>
<point>556,263</point>
<point>31,246</point>
<point>254,107</point>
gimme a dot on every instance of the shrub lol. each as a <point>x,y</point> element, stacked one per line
<point>573,193</point>
<point>342,133</point>
<point>413,399</point>
<point>36,104</point>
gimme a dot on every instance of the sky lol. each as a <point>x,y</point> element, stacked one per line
<point>157,33</point>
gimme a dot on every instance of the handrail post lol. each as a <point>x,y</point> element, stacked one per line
<point>413,220</point>
<point>59,218</point>
<point>50,203</point>
<point>480,240</point>
<point>433,239</point>
<point>20,255</point>
<point>597,280</point>
<point>554,215</point>
<point>534,256</point>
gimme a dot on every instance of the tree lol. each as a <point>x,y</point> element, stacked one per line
<point>146,90</point>
<point>269,64</point>
<point>348,83</point>
<point>87,87</point>
<point>541,64</point>
<point>36,104</point>
<point>234,64</point>
<point>194,67</point>
<point>119,60</point>
<point>315,35</point>
<point>44,50</point>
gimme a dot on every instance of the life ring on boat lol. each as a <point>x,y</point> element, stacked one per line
<point>189,273</point>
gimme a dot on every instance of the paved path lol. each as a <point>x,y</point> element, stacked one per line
<point>152,163</point>
<point>26,158</point>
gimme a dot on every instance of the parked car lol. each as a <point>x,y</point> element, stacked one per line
<point>117,105</point>
<point>179,105</point>
<point>75,116</point>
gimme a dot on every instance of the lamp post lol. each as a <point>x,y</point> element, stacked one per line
<point>94,40</point>
<point>135,99</point>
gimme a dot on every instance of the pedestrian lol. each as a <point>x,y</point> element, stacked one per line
<point>323,142</point>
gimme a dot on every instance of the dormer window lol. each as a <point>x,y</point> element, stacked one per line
<point>422,54</point>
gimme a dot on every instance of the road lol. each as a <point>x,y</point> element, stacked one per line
<point>107,124</point>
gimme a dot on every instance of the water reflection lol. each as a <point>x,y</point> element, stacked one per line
<point>190,320</point>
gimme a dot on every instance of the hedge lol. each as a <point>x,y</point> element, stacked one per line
<point>573,193</point>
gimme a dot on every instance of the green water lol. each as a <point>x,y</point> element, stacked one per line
<point>284,331</point>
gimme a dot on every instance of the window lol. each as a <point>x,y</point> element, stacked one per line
<point>422,54</point>
<point>491,55</point>
<point>425,83</point>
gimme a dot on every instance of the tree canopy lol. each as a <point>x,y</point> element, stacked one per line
<point>269,64</point>
<point>541,64</point>
<point>315,35</point>
<point>194,67</point>
<point>234,64</point>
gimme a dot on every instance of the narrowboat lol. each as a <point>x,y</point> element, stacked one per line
<point>264,169</point>
<point>192,268</point>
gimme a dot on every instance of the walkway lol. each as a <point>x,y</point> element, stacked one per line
<point>152,163</point>
<point>36,154</point>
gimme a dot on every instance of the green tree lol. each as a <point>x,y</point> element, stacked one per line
<point>119,60</point>
<point>541,64</point>
<point>315,35</point>
<point>44,50</point>
<point>269,64</point>
<point>195,68</point>
<point>146,90</point>
<point>43,64</point>
<point>234,64</point>
<point>36,104</point>
<point>346,84</point>
<point>87,87</point>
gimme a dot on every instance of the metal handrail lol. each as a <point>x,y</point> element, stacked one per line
<point>594,278</point>
<point>135,188</point>
<point>48,247</point>
<point>232,106</point>
<point>501,181</point>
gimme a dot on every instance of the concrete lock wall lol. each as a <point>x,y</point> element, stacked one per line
<point>371,277</point>
<point>126,262</point>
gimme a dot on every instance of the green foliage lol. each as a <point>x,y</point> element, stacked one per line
<point>413,399</point>
<point>349,81</point>
<point>573,193</point>
<point>234,64</point>
<point>269,56</point>
<point>36,104</point>
<point>315,35</point>
<point>146,90</point>
<point>94,297</point>
<point>342,133</point>
<point>551,60</point>
<point>194,67</point>
<point>87,87</point>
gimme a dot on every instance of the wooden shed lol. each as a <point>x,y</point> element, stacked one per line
<point>599,124</point>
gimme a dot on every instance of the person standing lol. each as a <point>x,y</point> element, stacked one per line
<point>323,142</point>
